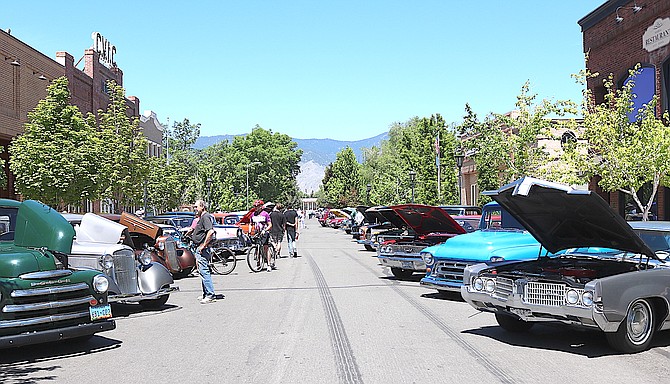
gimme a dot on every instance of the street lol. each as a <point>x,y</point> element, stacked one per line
<point>332,315</point>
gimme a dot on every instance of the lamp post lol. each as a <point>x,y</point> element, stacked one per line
<point>208,184</point>
<point>412,175</point>
<point>249,165</point>
<point>369,188</point>
<point>459,156</point>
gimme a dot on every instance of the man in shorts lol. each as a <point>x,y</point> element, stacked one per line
<point>278,227</point>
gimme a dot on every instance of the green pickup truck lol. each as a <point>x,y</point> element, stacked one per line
<point>41,300</point>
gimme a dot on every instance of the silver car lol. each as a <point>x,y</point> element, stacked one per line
<point>100,244</point>
<point>605,275</point>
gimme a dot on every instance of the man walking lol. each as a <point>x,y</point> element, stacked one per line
<point>291,230</point>
<point>203,233</point>
<point>277,230</point>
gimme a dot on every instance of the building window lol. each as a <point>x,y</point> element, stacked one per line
<point>568,137</point>
<point>473,194</point>
<point>644,89</point>
<point>666,84</point>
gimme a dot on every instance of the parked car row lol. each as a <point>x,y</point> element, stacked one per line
<point>540,252</point>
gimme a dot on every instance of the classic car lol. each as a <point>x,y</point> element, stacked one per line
<point>103,245</point>
<point>500,237</point>
<point>41,300</point>
<point>358,219</point>
<point>384,222</point>
<point>149,238</point>
<point>605,274</point>
<point>429,225</point>
<point>176,219</point>
<point>462,210</point>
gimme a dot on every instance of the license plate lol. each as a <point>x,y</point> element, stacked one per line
<point>407,265</point>
<point>100,312</point>
<point>521,312</point>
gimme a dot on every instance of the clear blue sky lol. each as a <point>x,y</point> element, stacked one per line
<point>344,70</point>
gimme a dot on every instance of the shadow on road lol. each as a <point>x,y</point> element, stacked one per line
<point>444,295</point>
<point>136,310</point>
<point>585,342</point>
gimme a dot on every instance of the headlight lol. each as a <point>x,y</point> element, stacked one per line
<point>427,258</point>
<point>144,258</point>
<point>107,261</point>
<point>490,285</point>
<point>587,298</point>
<point>478,284</point>
<point>572,297</point>
<point>160,245</point>
<point>380,239</point>
<point>100,283</point>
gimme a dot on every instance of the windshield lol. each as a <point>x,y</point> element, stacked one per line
<point>497,218</point>
<point>7,223</point>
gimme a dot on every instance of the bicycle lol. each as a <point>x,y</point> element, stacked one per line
<point>255,258</point>
<point>223,260</point>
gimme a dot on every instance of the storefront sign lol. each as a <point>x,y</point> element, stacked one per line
<point>104,48</point>
<point>657,35</point>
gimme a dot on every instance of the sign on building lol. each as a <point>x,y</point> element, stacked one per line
<point>105,49</point>
<point>657,35</point>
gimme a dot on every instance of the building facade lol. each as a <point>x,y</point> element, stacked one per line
<point>617,36</point>
<point>25,74</point>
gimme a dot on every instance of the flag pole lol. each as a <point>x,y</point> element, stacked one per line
<point>437,161</point>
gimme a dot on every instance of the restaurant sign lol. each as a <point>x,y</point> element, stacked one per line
<point>657,35</point>
<point>105,49</point>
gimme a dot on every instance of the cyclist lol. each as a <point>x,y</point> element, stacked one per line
<point>262,225</point>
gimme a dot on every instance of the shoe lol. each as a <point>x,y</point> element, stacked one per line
<point>207,300</point>
<point>269,269</point>
<point>295,254</point>
<point>274,268</point>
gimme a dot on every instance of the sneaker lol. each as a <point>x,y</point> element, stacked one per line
<point>269,269</point>
<point>207,300</point>
<point>295,254</point>
<point>273,267</point>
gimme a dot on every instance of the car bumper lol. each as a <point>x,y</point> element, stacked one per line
<point>52,335</point>
<point>407,263</point>
<point>441,285</point>
<point>133,298</point>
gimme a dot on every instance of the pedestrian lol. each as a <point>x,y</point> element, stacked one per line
<point>301,218</point>
<point>202,234</point>
<point>262,225</point>
<point>277,230</point>
<point>291,230</point>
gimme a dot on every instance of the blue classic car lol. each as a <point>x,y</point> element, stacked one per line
<point>500,237</point>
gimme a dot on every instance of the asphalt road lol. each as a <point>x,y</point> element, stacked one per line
<point>333,315</point>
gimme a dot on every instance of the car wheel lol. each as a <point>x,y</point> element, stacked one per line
<point>369,248</point>
<point>512,323</point>
<point>154,303</point>
<point>636,330</point>
<point>401,273</point>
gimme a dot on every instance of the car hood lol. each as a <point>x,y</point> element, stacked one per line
<point>482,245</point>
<point>425,219</point>
<point>383,214</point>
<point>561,217</point>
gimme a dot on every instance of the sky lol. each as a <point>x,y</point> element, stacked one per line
<point>344,70</point>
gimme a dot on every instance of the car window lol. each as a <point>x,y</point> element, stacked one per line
<point>7,223</point>
<point>656,241</point>
<point>499,219</point>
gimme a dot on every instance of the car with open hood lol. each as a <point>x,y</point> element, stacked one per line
<point>606,274</point>
<point>499,237</point>
<point>41,299</point>
<point>106,246</point>
<point>427,225</point>
<point>384,224</point>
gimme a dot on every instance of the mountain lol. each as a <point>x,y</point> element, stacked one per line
<point>316,154</point>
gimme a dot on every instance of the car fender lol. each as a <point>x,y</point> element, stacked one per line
<point>153,277</point>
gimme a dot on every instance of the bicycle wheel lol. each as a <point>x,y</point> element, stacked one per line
<point>223,261</point>
<point>255,258</point>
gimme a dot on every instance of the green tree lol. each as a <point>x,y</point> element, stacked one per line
<point>124,164</point>
<point>625,154</point>
<point>55,159</point>
<point>343,186</point>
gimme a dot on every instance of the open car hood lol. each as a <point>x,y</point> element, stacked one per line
<point>425,219</point>
<point>561,217</point>
<point>392,217</point>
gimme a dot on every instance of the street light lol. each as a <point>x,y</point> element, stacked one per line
<point>369,188</point>
<point>412,175</point>
<point>208,184</point>
<point>459,156</point>
<point>249,165</point>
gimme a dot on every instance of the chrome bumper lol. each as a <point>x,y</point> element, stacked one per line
<point>411,264</point>
<point>133,298</point>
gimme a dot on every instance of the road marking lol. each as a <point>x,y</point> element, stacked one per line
<point>347,369</point>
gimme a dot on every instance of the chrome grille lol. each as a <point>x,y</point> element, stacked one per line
<point>45,305</point>
<point>548,294</point>
<point>450,270</point>
<point>171,253</point>
<point>125,275</point>
<point>407,250</point>
<point>504,287</point>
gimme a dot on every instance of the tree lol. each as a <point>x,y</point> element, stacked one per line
<point>124,164</point>
<point>55,159</point>
<point>626,154</point>
<point>343,186</point>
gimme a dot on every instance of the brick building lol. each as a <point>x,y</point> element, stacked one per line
<point>617,36</point>
<point>25,74</point>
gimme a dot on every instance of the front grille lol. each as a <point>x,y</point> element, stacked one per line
<point>407,250</point>
<point>548,294</point>
<point>504,287</point>
<point>450,270</point>
<point>37,308</point>
<point>125,275</point>
<point>171,253</point>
